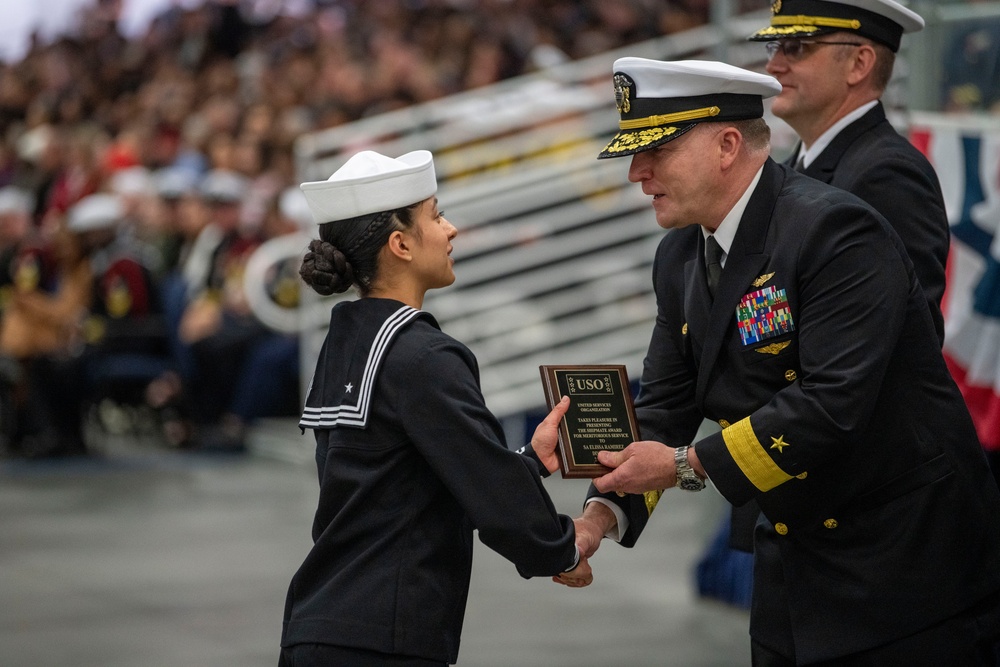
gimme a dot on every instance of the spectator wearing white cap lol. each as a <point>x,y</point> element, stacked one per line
<point>39,304</point>
<point>834,61</point>
<point>136,189</point>
<point>405,445</point>
<point>125,315</point>
<point>217,326</point>
<point>788,312</point>
<point>269,380</point>
<point>123,339</point>
<point>90,333</point>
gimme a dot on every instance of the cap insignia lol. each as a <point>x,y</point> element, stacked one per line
<point>776,7</point>
<point>622,93</point>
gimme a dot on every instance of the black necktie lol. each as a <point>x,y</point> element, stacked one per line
<point>713,263</point>
<point>800,164</point>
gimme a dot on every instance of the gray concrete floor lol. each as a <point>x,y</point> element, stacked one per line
<point>145,557</point>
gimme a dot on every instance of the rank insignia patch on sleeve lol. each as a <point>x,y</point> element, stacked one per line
<point>763,314</point>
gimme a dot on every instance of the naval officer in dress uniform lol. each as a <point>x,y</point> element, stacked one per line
<point>789,312</point>
<point>834,61</point>
<point>410,459</point>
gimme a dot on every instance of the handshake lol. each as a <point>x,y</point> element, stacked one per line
<point>640,467</point>
<point>587,542</point>
<point>591,527</point>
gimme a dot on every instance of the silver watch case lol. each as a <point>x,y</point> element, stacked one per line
<point>687,478</point>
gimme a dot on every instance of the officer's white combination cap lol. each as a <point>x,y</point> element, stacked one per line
<point>97,211</point>
<point>370,182</point>
<point>884,21</point>
<point>658,101</point>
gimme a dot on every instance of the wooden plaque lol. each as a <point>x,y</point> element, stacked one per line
<point>601,415</point>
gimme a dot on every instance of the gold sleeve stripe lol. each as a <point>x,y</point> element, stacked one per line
<point>826,22</point>
<point>752,459</point>
<point>668,119</point>
<point>652,497</point>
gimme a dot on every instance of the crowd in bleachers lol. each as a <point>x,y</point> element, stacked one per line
<point>138,175</point>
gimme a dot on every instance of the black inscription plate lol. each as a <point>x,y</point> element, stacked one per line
<point>601,415</point>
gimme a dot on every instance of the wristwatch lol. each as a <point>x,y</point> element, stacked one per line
<point>687,478</point>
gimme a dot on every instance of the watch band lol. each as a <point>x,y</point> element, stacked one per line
<point>687,478</point>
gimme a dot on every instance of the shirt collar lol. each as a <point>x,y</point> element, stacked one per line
<point>824,139</point>
<point>726,231</point>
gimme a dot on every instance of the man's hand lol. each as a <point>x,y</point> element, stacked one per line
<point>546,436</point>
<point>578,577</point>
<point>591,528</point>
<point>640,467</point>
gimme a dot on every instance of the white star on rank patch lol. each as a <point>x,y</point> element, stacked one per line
<point>348,387</point>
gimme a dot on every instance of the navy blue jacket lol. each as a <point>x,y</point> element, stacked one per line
<point>820,359</point>
<point>868,158</point>
<point>410,462</point>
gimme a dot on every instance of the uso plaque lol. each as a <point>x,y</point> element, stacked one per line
<point>600,416</point>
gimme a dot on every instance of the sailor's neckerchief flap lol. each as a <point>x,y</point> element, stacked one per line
<point>342,395</point>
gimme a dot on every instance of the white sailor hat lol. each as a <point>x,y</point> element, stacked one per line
<point>174,182</point>
<point>884,21</point>
<point>134,180</point>
<point>369,183</point>
<point>659,101</point>
<point>96,211</point>
<point>293,205</point>
<point>16,200</point>
<point>224,186</point>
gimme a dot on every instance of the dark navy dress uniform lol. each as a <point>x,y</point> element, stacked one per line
<point>410,463</point>
<point>819,358</point>
<point>868,158</point>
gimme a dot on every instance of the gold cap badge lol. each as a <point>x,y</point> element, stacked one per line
<point>622,93</point>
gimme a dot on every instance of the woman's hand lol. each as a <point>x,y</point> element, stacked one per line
<point>546,436</point>
<point>578,577</point>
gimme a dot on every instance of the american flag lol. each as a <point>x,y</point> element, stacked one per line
<point>966,154</point>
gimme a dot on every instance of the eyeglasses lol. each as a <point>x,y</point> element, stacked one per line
<point>794,49</point>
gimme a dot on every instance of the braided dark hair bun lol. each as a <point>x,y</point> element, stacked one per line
<point>325,269</point>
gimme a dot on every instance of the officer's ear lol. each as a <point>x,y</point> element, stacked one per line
<point>862,64</point>
<point>730,141</point>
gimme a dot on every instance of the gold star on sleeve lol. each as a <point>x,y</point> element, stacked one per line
<point>779,443</point>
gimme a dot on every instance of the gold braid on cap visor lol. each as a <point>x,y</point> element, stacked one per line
<point>668,119</point>
<point>787,25</point>
<point>650,129</point>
